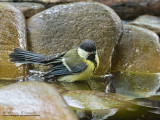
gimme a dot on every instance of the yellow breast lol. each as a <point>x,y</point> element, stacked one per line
<point>80,76</point>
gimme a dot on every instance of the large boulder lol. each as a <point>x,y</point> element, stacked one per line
<point>28,9</point>
<point>45,1</point>
<point>138,51</point>
<point>86,99</point>
<point>12,34</point>
<point>63,27</point>
<point>93,105</point>
<point>131,9</point>
<point>99,104</point>
<point>126,9</point>
<point>149,22</point>
<point>136,84</point>
<point>33,101</point>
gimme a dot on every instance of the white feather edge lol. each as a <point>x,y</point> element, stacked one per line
<point>64,63</point>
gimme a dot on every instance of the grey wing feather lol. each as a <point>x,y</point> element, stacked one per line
<point>79,68</point>
<point>61,70</point>
<point>24,56</point>
<point>51,60</point>
<point>58,67</point>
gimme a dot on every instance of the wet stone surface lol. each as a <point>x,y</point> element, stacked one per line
<point>100,106</point>
<point>148,22</point>
<point>12,35</point>
<point>28,9</point>
<point>89,100</point>
<point>26,99</point>
<point>136,84</point>
<point>137,51</point>
<point>132,55</point>
<point>63,27</point>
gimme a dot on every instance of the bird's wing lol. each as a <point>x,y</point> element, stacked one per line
<point>63,69</point>
<point>74,63</point>
<point>51,60</point>
<point>67,65</point>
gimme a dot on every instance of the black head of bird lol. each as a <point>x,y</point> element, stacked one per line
<point>87,50</point>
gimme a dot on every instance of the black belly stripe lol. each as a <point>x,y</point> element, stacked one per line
<point>92,59</point>
<point>95,65</point>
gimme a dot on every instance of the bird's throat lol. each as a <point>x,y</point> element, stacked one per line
<point>92,59</point>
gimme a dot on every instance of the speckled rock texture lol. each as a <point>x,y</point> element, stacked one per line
<point>131,9</point>
<point>126,9</point>
<point>33,98</point>
<point>136,84</point>
<point>93,100</point>
<point>138,51</point>
<point>12,34</point>
<point>45,1</point>
<point>28,9</point>
<point>63,27</point>
<point>148,22</point>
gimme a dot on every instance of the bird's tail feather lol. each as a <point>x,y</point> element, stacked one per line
<point>23,56</point>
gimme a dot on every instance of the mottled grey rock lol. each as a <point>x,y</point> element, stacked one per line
<point>63,27</point>
<point>136,84</point>
<point>148,22</point>
<point>45,1</point>
<point>131,9</point>
<point>138,51</point>
<point>33,98</point>
<point>28,9</point>
<point>86,99</point>
<point>12,34</point>
<point>126,9</point>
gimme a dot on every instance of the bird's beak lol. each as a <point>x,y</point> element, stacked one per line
<point>92,53</point>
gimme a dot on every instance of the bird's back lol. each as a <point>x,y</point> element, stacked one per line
<point>81,68</point>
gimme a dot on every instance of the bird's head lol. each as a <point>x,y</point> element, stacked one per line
<point>87,50</point>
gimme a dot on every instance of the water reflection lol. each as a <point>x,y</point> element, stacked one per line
<point>143,90</point>
<point>136,84</point>
<point>152,101</point>
<point>63,86</point>
<point>135,109</point>
<point>140,113</point>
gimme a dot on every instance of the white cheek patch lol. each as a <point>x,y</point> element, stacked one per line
<point>82,53</point>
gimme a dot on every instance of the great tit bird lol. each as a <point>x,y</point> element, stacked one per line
<point>75,65</point>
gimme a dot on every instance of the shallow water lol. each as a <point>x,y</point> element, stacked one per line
<point>141,89</point>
